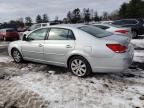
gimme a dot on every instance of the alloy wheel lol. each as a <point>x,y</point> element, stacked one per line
<point>78,67</point>
<point>16,56</point>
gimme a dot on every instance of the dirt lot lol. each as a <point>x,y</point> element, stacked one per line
<point>31,85</point>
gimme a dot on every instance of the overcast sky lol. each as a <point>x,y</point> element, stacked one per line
<point>14,9</point>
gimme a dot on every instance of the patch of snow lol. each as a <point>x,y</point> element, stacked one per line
<point>67,91</point>
<point>5,59</point>
<point>4,44</point>
<point>139,56</point>
<point>138,43</point>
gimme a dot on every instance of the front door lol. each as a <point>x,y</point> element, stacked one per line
<point>33,47</point>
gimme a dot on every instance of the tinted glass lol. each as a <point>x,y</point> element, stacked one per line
<point>71,35</point>
<point>130,21</point>
<point>60,34</point>
<point>120,22</point>
<point>97,32</point>
<point>38,34</point>
<point>102,27</point>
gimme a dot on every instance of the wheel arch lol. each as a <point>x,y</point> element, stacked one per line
<point>12,48</point>
<point>76,54</point>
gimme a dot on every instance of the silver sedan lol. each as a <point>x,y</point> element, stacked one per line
<point>82,49</point>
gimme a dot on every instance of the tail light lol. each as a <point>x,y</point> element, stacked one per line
<point>122,31</point>
<point>118,48</point>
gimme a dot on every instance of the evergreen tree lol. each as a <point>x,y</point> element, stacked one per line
<point>39,19</point>
<point>86,13</point>
<point>76,16</point>
<point>69,17</point>
<point>133,9</point>
<point>96,17</point>
<point>45,18</point>
<point>123,9</point>
<point>28,21</point>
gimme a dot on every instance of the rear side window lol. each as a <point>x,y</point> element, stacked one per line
<point>60,34</point>
<point>97,32</point>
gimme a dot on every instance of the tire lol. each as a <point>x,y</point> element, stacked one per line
<point>134,34</point>
<point>79,66</point>
<point>17,56</point>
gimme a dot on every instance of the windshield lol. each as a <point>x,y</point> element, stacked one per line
<point>95,31</point>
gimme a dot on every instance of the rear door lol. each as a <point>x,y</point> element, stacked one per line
<point>60,42</point>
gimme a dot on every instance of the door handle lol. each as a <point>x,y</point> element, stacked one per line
<point>40,45</point>
<point>68,46</point>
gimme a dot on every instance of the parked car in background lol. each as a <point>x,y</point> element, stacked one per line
<point>83,49</point>
<point>136,25</point>
<point>106,22</point>
<point>115,29</point>
<point>9,33</point>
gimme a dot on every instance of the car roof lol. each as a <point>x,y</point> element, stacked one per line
<point>66,26</point>
<point>128,19</point>
<point>69,25</point>
<point>108,25</point>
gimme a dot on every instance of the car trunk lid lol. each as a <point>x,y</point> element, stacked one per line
<point>118,38</point>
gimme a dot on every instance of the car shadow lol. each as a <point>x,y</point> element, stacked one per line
<point>133,71</point>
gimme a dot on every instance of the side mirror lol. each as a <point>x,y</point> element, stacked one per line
<point>24,37</point>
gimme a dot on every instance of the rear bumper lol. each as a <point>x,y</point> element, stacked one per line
<point>112,65</point>
<point>117,63</point>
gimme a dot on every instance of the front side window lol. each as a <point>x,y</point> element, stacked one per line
<point>60,34</point>
<point>94,31</point>
<point>38,34</point>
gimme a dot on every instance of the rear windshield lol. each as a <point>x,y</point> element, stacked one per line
<point>95,31</point>
<point>102,27</point>
<point>11,30</point>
